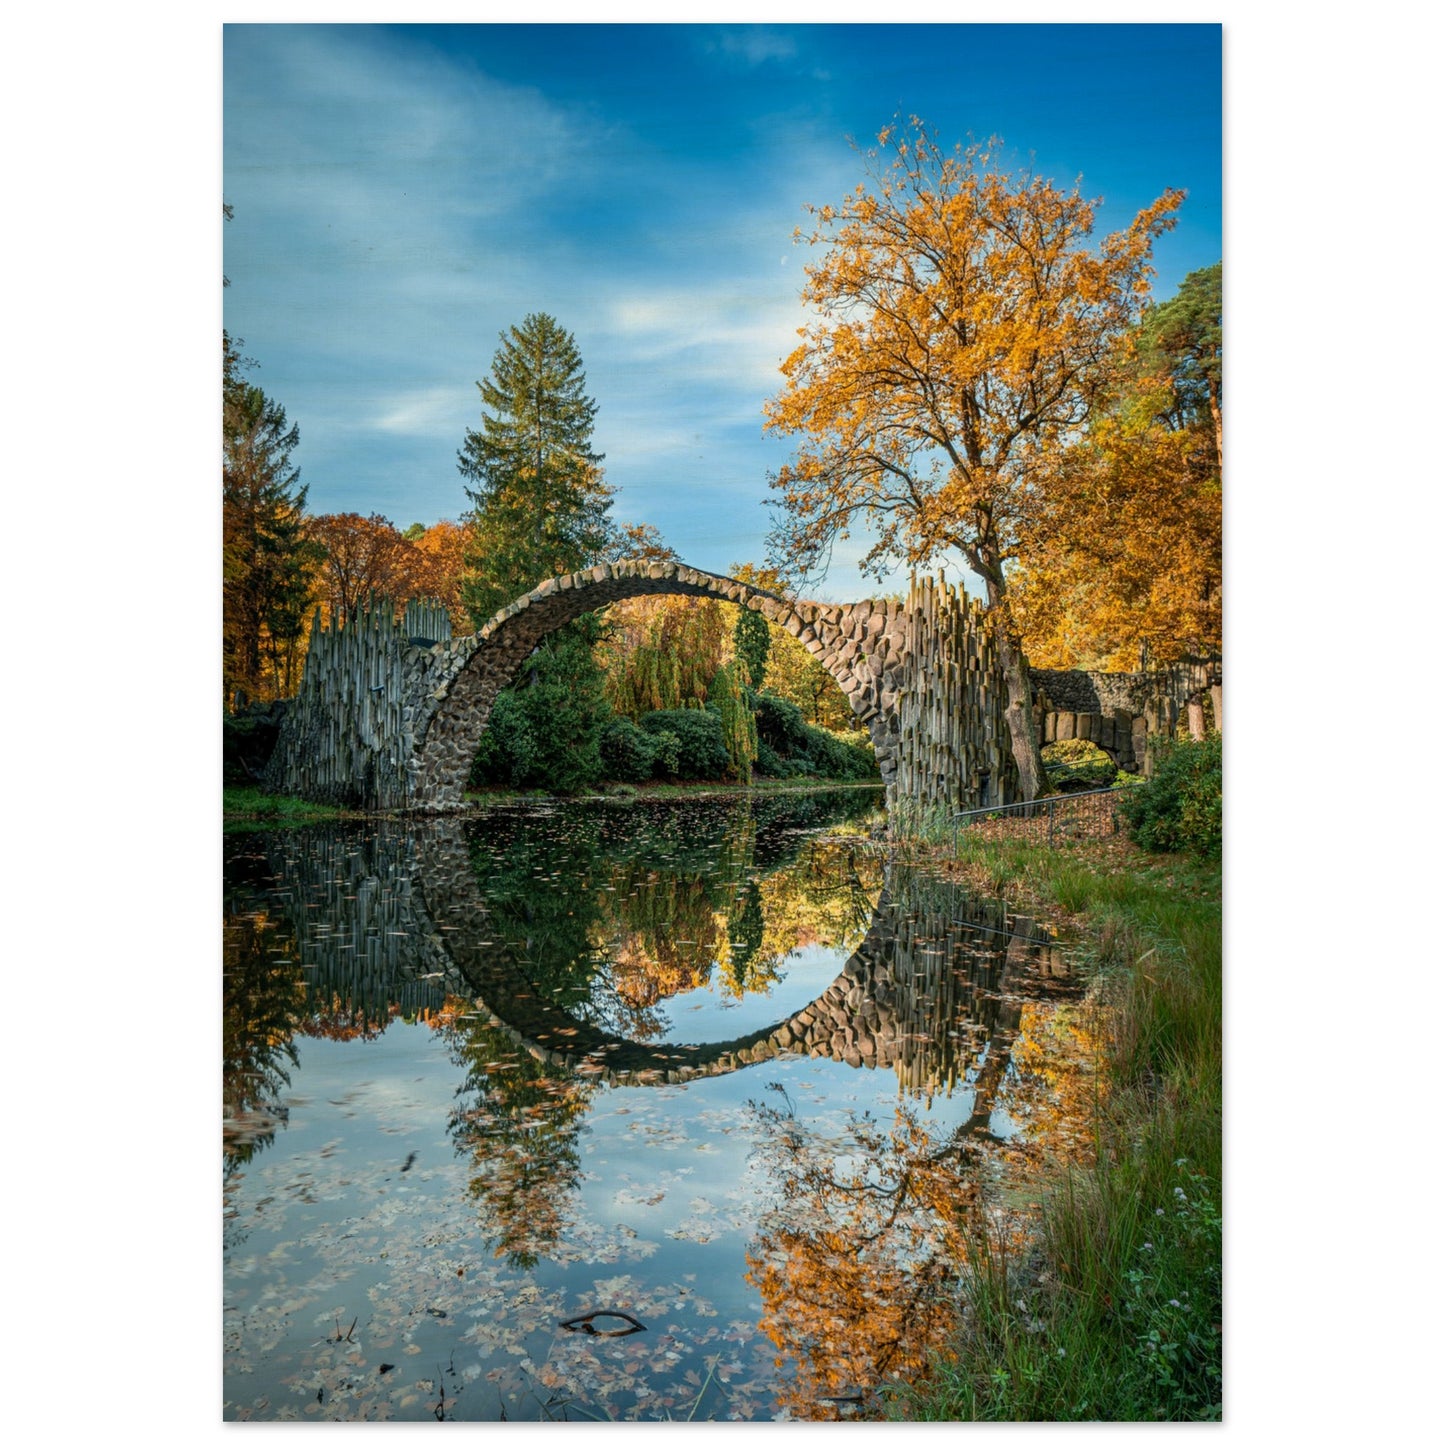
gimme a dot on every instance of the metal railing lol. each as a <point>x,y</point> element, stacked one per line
<point>1058,818</point>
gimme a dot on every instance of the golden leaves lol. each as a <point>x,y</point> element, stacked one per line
<point>965,323</point>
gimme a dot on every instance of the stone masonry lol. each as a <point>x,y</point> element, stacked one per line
<point>386,720</point>
<point>860,645</point>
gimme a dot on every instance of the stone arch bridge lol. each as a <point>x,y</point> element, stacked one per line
<point>390,712</point>
<point>386,719</point>
<point>855,643</point>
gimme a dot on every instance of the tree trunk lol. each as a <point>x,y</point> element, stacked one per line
<point>1019,709</point>
<point>1195,707</point>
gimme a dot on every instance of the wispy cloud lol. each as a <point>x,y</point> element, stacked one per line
<point>421,413</point>
<point>734,334</point>
<point>751,45</point>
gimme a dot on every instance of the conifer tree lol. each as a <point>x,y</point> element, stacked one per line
<point>541,504</point>
<point>268,563</point>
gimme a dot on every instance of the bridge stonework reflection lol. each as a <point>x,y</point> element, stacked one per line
<point>387,721</point>
<point>934,991</point>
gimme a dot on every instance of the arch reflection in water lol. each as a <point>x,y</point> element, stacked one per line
<point>554,950</point>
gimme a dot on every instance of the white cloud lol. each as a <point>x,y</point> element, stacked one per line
<point>751,45</point>
<point>733,333</point>
<point>420,413</point>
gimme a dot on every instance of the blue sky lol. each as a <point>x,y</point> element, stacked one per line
<point>404,193</point>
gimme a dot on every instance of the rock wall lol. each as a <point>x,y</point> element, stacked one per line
<point>1119,711</point>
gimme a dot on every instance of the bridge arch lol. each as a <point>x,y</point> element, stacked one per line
<point>854,643</point>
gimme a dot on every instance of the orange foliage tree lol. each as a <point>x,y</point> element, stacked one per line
<point>967,329</point>
<point>1126,564</point>
<point>1125,560</point>
<point>364,555</point>
<point>368,555</point>
<point>858,1258</point>
<point>442,548</point>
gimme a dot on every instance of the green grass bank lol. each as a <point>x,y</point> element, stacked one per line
<point>1113,1310</point>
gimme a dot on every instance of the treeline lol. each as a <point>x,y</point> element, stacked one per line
<point>655,688</point>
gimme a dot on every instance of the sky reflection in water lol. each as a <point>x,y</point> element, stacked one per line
<point>418,1190</point>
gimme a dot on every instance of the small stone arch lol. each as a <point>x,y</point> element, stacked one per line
<point>858,644</point>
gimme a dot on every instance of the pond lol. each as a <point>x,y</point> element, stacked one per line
<point>615,1110</point>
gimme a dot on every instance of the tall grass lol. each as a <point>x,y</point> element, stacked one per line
<point>1113,1310</point>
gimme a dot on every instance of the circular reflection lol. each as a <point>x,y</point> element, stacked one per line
<point>649,944</point>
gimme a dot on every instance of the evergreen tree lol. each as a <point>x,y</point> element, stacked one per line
<point>1184,339</point>
<point>268,565</point>
<point>541,504</point>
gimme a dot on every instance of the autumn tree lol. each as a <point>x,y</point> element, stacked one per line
<point>1124,557</point>
<point>966,330</point>
<point>442,550</point>
<point>640,541</point>
<point>363,556</point>
<point>268,563</point>
<point>541,504</point>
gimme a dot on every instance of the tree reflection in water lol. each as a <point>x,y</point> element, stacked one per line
<point>860,1255</point>
<point>858,1259</point>
<point>609,912</point>
<point>520,1121</point>
<point>607,916</point>
<point>544,945</point>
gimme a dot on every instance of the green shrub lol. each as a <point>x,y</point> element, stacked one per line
<point>781,725</point>
<point>1076,765</point>
<point>545,731</point>
<point>702,751</point>
<point>666,754</point>
<point>628,753</point>
<point>788,746</point>
<point>1180,809</point>
<point>771,764</point>
<point>1070,752</point>
<point>836,756</point>
<point>507,753</point>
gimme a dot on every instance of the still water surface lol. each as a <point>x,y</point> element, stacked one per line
<point>716,1067</point>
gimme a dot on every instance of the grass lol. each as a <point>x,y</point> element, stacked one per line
<point>249,810</point>
<point>1113,1310</point>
